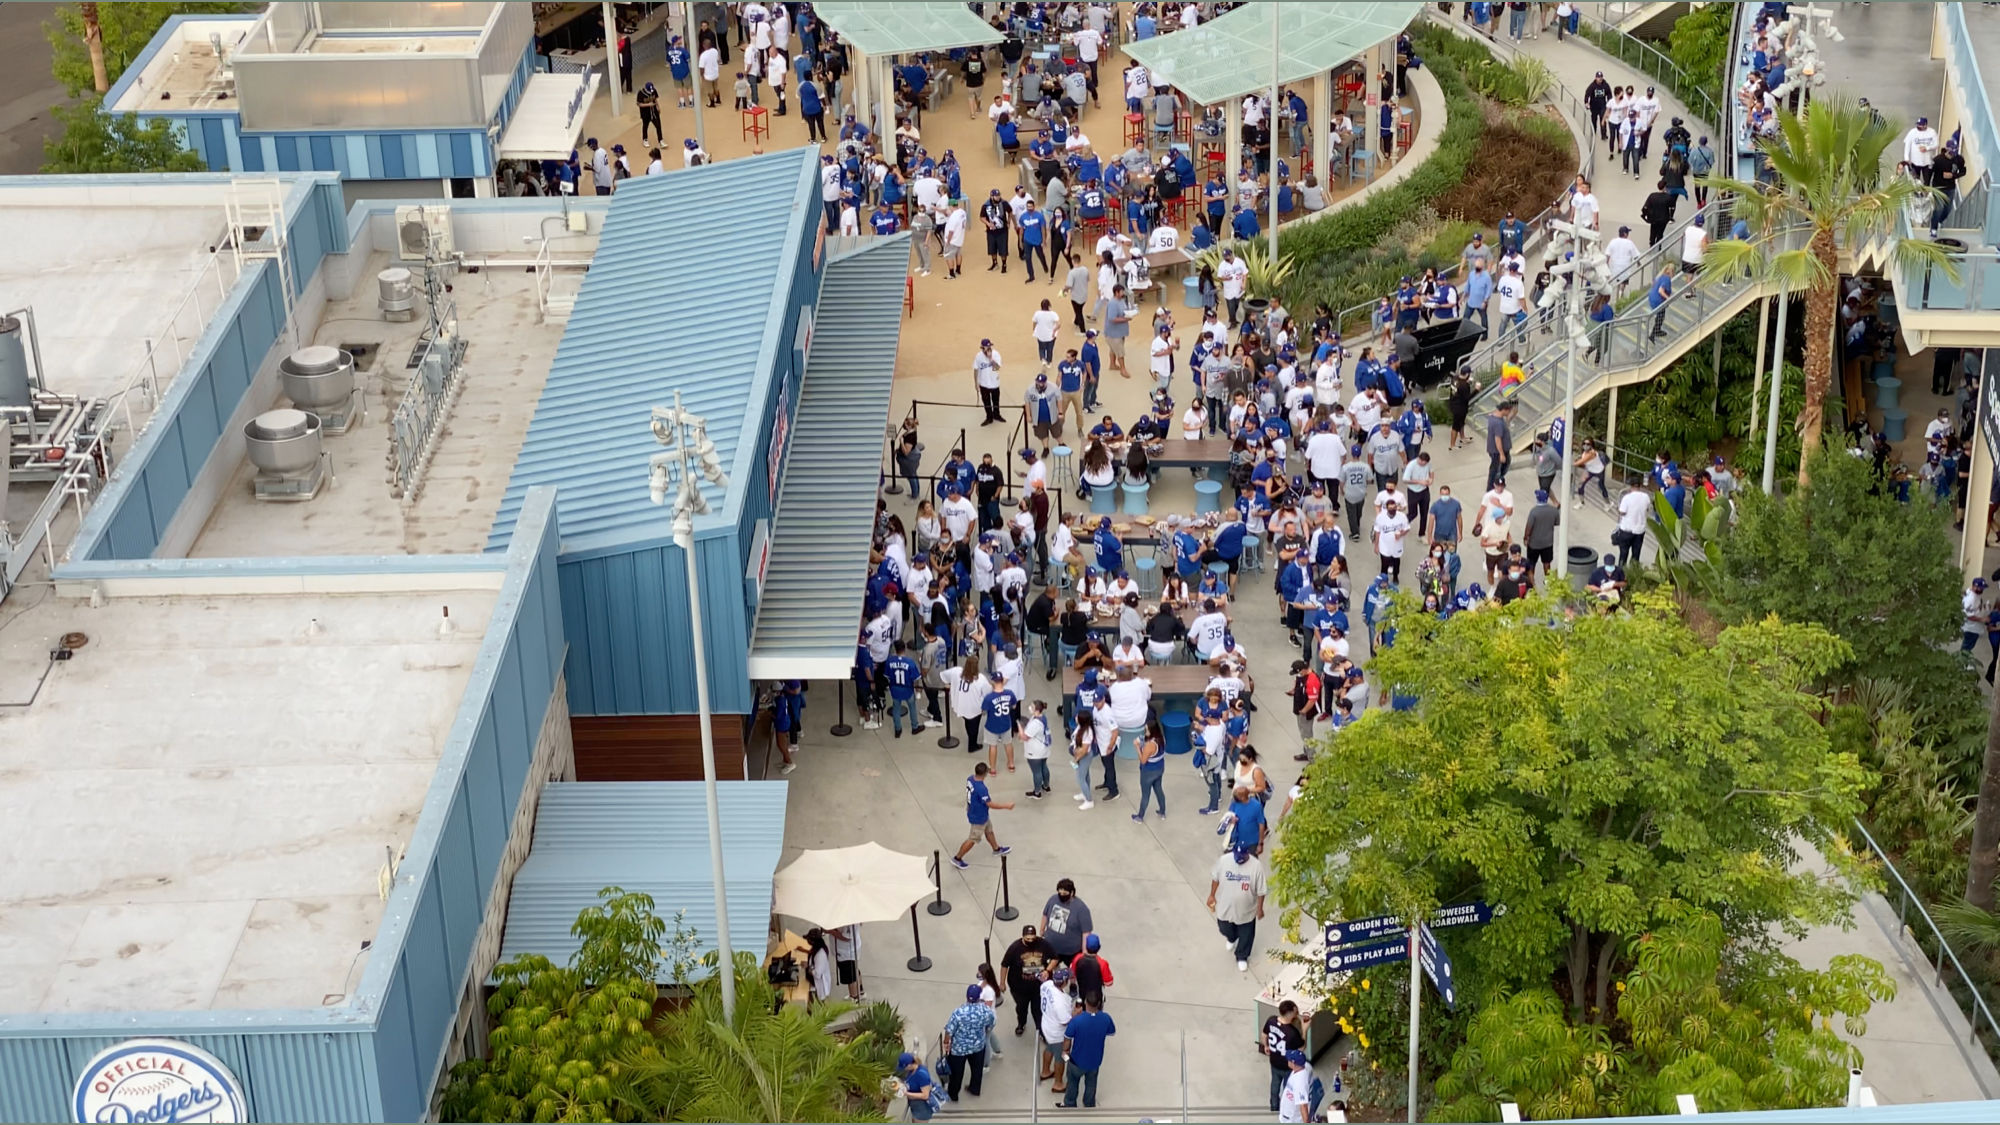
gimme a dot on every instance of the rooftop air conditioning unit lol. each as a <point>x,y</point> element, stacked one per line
<point>423,232</point>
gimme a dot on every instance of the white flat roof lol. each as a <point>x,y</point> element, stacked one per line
<point>508,360</point>
<point>199,804</point>
<point>104,281</point>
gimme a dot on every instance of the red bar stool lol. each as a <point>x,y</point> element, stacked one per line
<point>1175,212</point>
<point>1213,157</point>
<point>756,124</point>
<point>1094,229</point>
<point>1135,129</point>
<point>1184,127</point>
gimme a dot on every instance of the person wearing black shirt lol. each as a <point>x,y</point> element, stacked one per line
<point>1607,580</point>
<point>1072,630</point>
<point>1658,211</point>
<point>1024,962</point>
<point>1041,616</point>
<point>1947,168</point>
<point>1281,1036</point>
<point>986,483</point>
<point>1164,631</point>
<point>1596,97</point>
<point>996,216</point>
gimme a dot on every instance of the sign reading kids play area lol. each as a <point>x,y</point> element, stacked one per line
<point>158,1080</point>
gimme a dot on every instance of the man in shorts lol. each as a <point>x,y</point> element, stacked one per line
<point>979,804</point>
<point>847,959</point>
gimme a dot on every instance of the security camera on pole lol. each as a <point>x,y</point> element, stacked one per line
<point>690,451</point>
<point>1581,258</point>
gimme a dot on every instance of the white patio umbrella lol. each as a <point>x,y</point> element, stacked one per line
<point>840,886</point>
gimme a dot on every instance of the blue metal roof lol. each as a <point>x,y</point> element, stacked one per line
<point>826,507</point>
<point>684,293</point>
<point>649,836</point>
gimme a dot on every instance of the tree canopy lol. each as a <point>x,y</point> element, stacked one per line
<point>95,141</point>
<point>127,29</point>
<point>1843,554</point>
<point>1754,1036</point>
<point>1599,775</point>
<point>588,1042</point>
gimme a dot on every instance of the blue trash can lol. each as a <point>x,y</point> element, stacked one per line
<point>1895,423</point>
<point>1207,496</point>
<point>1177,726</point>
<point>1888,393</point>
<point>1191,292</point>
<point>1104,501</point>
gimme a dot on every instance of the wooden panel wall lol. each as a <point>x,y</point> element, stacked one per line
<point>654,747</point>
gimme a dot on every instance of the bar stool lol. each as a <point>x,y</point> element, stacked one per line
<point>1207,496</point>
<point>1104,501</point>
<point>1183,125</point>
<point>1062,470</point>
<point>756,123</point>
<point>1405,127</point>
<point>1220,570</point>
<point>1135,497</point>
<point>1146,572</point>
<point>1362,159</point>
<point>1135,129</point>
<point>1253,552</point>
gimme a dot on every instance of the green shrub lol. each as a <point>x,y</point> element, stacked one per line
<point>1334,252</point>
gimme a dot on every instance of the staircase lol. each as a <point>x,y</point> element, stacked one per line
<point>1626,351</point>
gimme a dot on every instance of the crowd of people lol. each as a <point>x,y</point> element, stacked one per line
<point>984,573</point>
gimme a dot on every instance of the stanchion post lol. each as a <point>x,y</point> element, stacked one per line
<point>919,963</point>
<point>840,728</point>
<point>1006,911</point>
<point>949,741</point>
<point>938,907</point>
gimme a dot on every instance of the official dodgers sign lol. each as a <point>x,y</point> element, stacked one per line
<point>158,1080</point>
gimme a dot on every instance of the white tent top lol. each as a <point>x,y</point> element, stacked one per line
<point>1230,56</point>
<point>876,28</point>
<point>549,116</point>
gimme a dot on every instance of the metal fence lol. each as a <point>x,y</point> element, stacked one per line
<point>1963,988</point>
<point>1647,59</point>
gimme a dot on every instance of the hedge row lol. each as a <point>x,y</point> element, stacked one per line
<point>1333,251</point>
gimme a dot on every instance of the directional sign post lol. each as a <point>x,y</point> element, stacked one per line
<point>1436,966</point>
<point>1387,928</point>
<point>1416,1005</point>
<point>1361,956</point>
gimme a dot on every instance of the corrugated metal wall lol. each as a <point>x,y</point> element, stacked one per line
<point>423,952</point>
<point>630,644</point>
<point>316,1076</point>
<point>153,477</point>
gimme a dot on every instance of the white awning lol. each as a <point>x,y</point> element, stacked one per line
<point>549,117</point>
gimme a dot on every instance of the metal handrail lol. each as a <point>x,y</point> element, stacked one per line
<point>1980,1014</point>
<point>1651,62</point>
<point>1538,227</point>
<point>86,469</point>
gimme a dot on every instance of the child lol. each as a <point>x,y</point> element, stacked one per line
<point>742,91</point>
<point>1211,760</point>
<point>1035,746</point>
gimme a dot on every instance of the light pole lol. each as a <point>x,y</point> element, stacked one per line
<point>1777,391</point>
<point>688,451</point>
<point>1581,265</point>
<point>1271,125</point>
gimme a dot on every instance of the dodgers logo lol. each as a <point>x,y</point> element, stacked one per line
<point>158,1080</point>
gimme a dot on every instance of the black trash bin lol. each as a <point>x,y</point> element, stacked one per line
<point>1582,560</point>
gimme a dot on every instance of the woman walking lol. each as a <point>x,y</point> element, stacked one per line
<point>1152,769</point>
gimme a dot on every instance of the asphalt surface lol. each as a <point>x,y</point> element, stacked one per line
<point>26,90</point>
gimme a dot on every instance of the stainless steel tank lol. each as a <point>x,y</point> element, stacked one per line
<point>317,378</point>
<point>16,388</point>
<point>396,294</point>
<point>282,442</point>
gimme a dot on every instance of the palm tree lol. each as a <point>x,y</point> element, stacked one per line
<point>93,37</point>
<point>774,1066</point>
<point>1831,192</point>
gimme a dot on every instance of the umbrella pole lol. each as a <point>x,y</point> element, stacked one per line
<point>939,907</point>
<point>919,963</point>
<point>1006,912</point>
<point>840,727</point>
